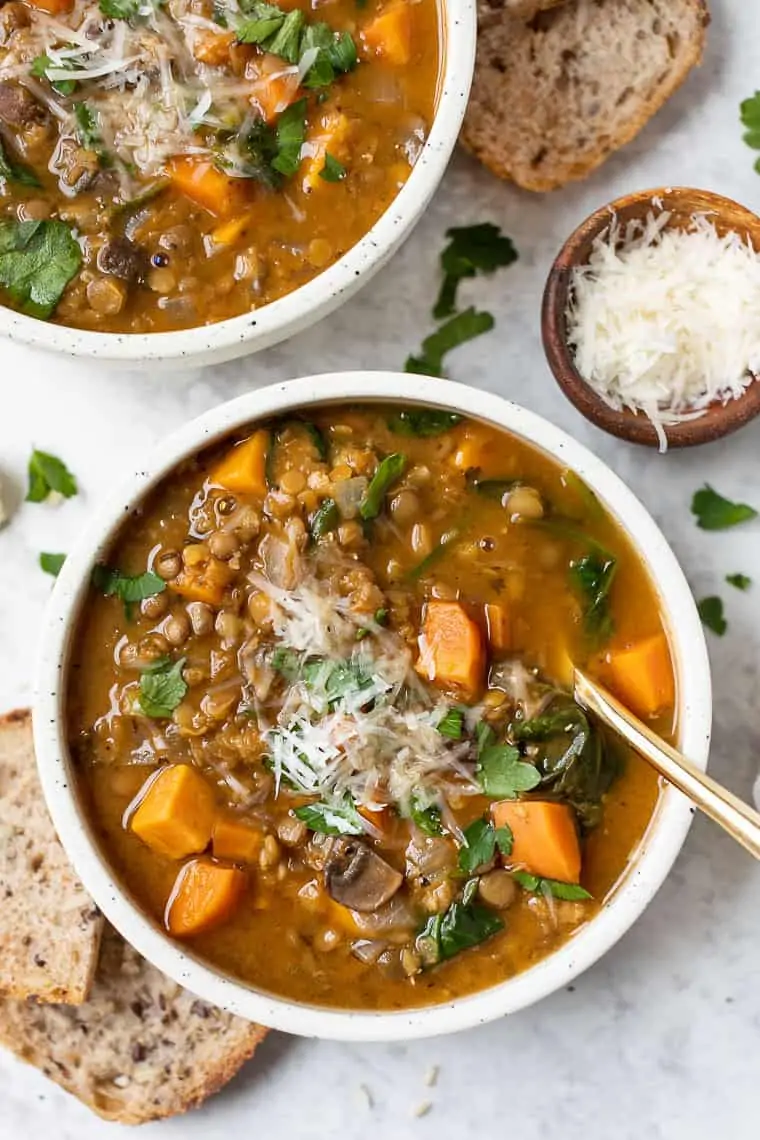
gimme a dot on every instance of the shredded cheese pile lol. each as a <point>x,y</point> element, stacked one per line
<point>665,321</point>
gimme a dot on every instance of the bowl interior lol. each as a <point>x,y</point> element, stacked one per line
<point>658,849</point>
<point>719,419</point>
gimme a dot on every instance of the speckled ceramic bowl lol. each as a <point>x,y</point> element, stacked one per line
<point>250,332</point>
<point>651,862</point>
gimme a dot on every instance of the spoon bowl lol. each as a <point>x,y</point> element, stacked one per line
<point>719,419</point>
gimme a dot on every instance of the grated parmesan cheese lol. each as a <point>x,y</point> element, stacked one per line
<point>665,321</point>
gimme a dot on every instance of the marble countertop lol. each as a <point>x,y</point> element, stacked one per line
<point>661,1038</point>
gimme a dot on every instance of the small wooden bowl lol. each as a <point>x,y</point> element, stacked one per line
<point>719,419</point>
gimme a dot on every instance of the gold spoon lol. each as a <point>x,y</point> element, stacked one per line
<point>740,821</point>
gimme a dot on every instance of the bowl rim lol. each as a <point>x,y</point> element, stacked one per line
<point>259,329</point>
<point>657,851</point>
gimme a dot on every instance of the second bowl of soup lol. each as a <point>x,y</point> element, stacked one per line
<point>316,720</point>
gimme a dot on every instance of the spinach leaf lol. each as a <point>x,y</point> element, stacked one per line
<point>37,261</point>
<point>428,819</point>
<point>332,171</point>
<point>481,842</point>
<point>463,327</point>
<point>52,563</point>
<point>162,687</point>
<point>39,69</point>
<point>290,132</point>
<point>12,171</point>
<point>471,250</point>
<point>587,498</point>
<point>452,724</point>
<point>459,928</point>
<point>713,512</point>
<point>388,472</point>
<point>570,892</point>
<point>592,576</point>
<point>325,519</point>
<point>434,557</point>
<point>423,423</point>
<point>495,489</point>
<point>47,474</point>
<point>711,612</point>
<point>339,818</point>
<point>739,581</point>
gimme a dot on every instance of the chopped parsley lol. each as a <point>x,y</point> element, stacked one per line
<point>739,581</point>
<point>750,117</point>
<point>47,475</point>
<point>88,131</point>
<point>287,35</point>
<point>471,250</point>
<point>463,327</point>
<point>290,133</point>
<point>452,723</point>
<point>428,819</point>
<point>570,892</point>
<point>129,588</point>
<point>52,563</point>
<point>37,261</point>
<point>162,687</point>
<point>388,472</point>
<point>713,512</point>
<point>711,612</point>
<point>11,171</point>
<point>39,70</point>
<point>332,171</point>
<point>482,840</point>
<point>340,818</point>
<point>121,9</point>
<point>423,423</point>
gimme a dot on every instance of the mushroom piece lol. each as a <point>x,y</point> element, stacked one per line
<point>357,877</point>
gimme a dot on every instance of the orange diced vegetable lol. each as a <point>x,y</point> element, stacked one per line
<point>497,623</point>
<point>472,448</point>
<point>545,837</point>
<point>328,137</point>
<point>52,7</point>
<point>229,231</point>
<point>201,182</point>
<point>380,817</point>
<point>204,581</point>
<point>176,812</point>
<point>642,676</point>
<point>451,648</point>
<point>341,917</point>
<point>236,840</point>
<point>205,894</point>
<point>213,48</point>
<point>390,34</point>
<point>243,469</point>
<point>275,88</point>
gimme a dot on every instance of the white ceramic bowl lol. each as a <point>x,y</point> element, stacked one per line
<point>251,332</point>
<point>657,852</point>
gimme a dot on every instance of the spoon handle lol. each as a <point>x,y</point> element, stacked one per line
<point>722,806</point>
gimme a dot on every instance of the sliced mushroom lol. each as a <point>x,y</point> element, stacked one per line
<point>357,877</point>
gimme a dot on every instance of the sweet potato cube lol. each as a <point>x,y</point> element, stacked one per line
<point>201,182</point>
<point>176,812</point>
<point>52,7</point>
<point>498,626</point>
<point>213,48</point>
<point>642,676</point>
<point>545,837</point>
<point>205,895</point>
<point>243,468</point>
<point>390,34</point>
<point>204,581</point>
<point>235,840</point>
<point>451,648</point>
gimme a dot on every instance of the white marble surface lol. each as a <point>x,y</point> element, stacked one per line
<point>662,1038</point>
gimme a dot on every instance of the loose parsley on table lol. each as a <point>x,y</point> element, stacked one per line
<point>463,327</point>
<point>739,581</point>
<point>750,116</point>
<point>52,563</point>
<point>713,512</point>
<point>471,250</point>
<point>711,612</point>
<point>48,474</point>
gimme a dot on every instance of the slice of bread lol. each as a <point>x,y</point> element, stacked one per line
<point>141,1048</point>
<point>554,96</point>
<point>49,928</point>
<point>489,10</point>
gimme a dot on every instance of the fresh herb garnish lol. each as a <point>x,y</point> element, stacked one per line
<point>502,773</point>
<point>162,686</point>
<point>88,131</point>
<point>570,892</point>
<point>52,563</point>
<point>461,328</point>
<point>332,171</point>
<point>428,819</point>
<point>713,512</point>
<point>739,581</point>
<point>423,423</point>
<point>471,250</point>
<point>452,723</point>
<point>592,576</point>
<point>711,612</point>
<point>451,538</point>
<point>290,132</point>
<point>325,519</point>
<point>37,261</point>
<point>336,54</point>
<point>482,840</point>
<point>750,116</point>
<point>339,818</point>
<point>286,34</point>
<point>39,69</point>
<point>120,9</point>
<point>11,171</point>
<point>388,472</point>
<point>287,662</point>
<point>459,928</point>
<point>130,588</point>
<point>48,474</point>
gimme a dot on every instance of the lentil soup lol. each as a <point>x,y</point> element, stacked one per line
<point>166,164</point>
<point>319,707</point>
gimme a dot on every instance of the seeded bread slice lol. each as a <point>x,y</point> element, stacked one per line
<point>554,96</point>
<point>49,928</point>
<point>141,1048</point>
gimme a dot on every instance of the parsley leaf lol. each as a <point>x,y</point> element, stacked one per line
<point>481,841</point>
<point>340,818</point>
<point>287,662</point>
<point>52,563</point>
<point>502,774</point>
<point>325,519</point>
<point>713,512</point>
<point>129,588</point>
<point>120,9</point>
<point>39,70</point>
<point>48,473</point>
<point>750,117</point>
<point>463,327</point>
<point>570,892</point>
<point>290,133</point>
<point>88,131</point>
<point>265,21</point>
<point>423,423</point>
<point>12,171</point>
<point>711,612</point>
<point>459,928</point>
<point>286,42</point>
<point>162,687</point>
<point>37,261</point>
<point>592,576</point>
<point>388,472</point>
<point>740,581</point>
<point>332,171</point>
<point>452,723</point>
<point>471,250</point>
<point>428,819</point>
